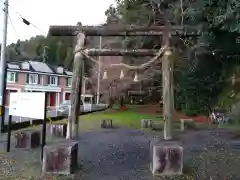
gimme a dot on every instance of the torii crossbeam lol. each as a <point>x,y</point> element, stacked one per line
<point>116,30</point>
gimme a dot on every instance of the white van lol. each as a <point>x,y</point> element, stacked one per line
<point>64,108</point>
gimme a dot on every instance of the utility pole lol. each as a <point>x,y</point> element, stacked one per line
<point>3,64</point>
<point>99,72</point>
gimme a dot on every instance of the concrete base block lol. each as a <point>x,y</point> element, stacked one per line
<point>157,126</point>
<point>146,123</point>
<point>106,123</point>
<point>182,126</point>
<point>61,158</point>
<point>27,139</point>
<point>58,129</point>
<point>166,158</point>
<point>187,124</point>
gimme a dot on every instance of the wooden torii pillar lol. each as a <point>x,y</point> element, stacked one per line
<point>82,31</point>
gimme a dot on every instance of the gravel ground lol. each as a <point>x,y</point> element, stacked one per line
<point>123,154</point>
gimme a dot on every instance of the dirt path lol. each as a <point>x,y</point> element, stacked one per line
<point>123,154</point>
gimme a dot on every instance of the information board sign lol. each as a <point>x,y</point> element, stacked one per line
<point>27,104</point>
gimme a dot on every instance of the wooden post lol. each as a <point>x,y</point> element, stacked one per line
<point>110,100</point>
<point>168,93</point>
<point>76,87</point>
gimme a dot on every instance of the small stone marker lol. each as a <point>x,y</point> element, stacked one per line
<point>146,123</point>
<point>58,129</point>
<point>166,158</point>
<point>106,123</point>
<point>182,125</point>
<point>157,126</point>
<point>186,123</point>
<point>61,158</point>
<point>27,139</point>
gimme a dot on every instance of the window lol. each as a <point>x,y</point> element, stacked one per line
<point>53,80</point>
<point>11,77</point>
<point>33,79</point>
<point>69,82</point>
<point>87,100</point>
<point>43,80</point>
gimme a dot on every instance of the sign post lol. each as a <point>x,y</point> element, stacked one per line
<point>9,133</point>
<point>44,126</point>
<point>21,104</point>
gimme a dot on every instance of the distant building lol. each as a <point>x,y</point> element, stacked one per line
<point>34,76</point>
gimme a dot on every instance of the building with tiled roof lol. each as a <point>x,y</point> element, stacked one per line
<point>35,76</point>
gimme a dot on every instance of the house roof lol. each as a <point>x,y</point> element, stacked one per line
<point>39,67</point>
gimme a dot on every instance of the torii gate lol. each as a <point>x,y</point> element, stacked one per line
<point>82,53</point>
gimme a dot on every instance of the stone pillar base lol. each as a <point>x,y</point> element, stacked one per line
<point>106,123</point>
<point>166,158</point>
<point>61,158</point>
<point>27,139</point>
<point>146,123</point>
<point>187,124</point>
<point>157,126</point>
<point>58,129</point>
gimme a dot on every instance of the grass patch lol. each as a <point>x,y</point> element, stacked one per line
<point>92,121</point>
<point>127,119</point>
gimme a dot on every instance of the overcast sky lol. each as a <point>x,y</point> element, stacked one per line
<point>43,13</point>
